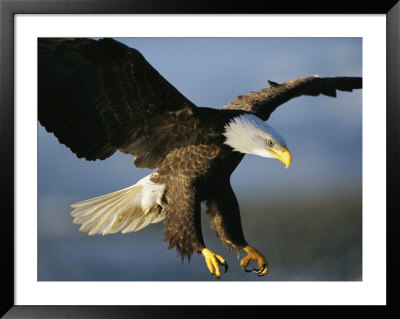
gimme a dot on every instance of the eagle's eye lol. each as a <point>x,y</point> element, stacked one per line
<point>270,143</point>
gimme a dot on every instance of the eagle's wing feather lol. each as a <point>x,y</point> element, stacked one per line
<point>264,102</point>
<point>100,96</point>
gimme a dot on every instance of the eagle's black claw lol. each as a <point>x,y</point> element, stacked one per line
<point>246,270</point>
<point>259,272</point>
<point>217,277</point>
<point>225,266</point>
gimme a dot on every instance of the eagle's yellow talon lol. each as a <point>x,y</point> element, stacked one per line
<point>254,254</point>
<point>213,261</point>
<point>260,272</point>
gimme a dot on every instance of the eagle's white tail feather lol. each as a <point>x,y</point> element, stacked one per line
<point>91,211</point>
<point>127,210</point>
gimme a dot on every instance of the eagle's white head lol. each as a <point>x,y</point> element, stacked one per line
<point>247,133</point>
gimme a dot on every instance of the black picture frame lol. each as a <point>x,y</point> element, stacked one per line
<point>8,10</point>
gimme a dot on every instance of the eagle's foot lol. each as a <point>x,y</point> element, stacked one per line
<point>254,254</point>
<point>213,261</point>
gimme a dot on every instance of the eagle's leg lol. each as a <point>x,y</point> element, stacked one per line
<point>224,210</point>
<point>183,220</point>
<point>183,225</point>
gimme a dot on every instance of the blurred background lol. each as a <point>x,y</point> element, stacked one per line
<point>307,220</point>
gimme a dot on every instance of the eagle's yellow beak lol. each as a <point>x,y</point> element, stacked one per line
<point>283,155</point>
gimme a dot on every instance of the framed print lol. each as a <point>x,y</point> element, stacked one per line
<point>321,223</point>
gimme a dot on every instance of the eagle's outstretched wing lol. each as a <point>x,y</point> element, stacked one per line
<point>101,96</point>
<point>264,102</point>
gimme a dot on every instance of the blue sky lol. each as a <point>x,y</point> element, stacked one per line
<point>324,135</point>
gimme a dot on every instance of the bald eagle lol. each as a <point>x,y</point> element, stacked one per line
<point>100,96</point>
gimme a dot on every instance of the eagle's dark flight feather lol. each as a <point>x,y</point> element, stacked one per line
<point>100,96</point>
<point>264,102</point>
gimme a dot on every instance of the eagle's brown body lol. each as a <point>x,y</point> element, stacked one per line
<point>200,172</point>
<point>98,97</point>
